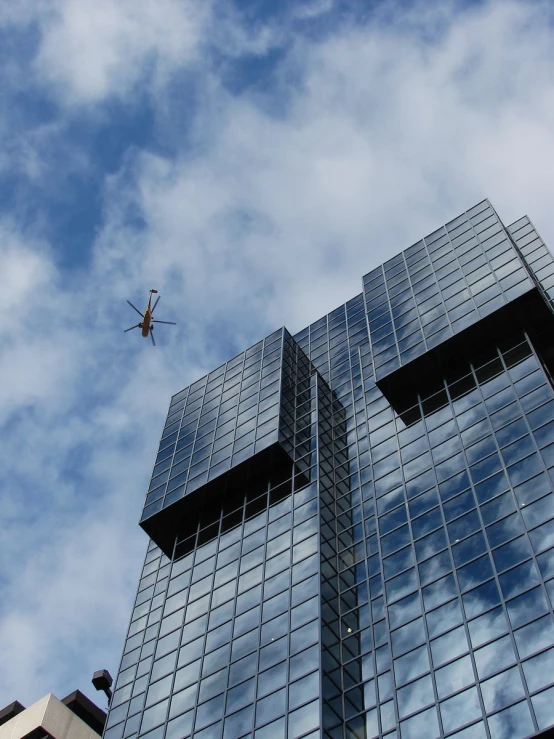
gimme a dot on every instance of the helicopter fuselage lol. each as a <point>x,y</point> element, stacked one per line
<point>146,324</point>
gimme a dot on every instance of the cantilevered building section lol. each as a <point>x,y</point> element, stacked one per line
<point>352,529</point>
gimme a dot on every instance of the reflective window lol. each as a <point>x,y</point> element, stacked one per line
<point>460,709</point>
<point>543,705</point>
<point>511,722</point>
<point>418,570</point>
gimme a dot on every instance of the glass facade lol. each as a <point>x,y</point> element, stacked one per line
<point>218,422</point>
<point>352,529</point>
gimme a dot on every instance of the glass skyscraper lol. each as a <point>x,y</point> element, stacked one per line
<point>352,529</point>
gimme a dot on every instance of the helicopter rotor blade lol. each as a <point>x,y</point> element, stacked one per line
<point>155,304</point>
<point>132,327</point>
<point>137,310</point>
<point>171,323</point>
<point>152,337</point>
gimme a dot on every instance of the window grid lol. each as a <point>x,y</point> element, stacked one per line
<point>479,303</point>
<point>409,504</point>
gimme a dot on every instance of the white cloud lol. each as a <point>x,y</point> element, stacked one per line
<point>383,137</point>
<point>359,145</point>
<point>26,270</point>
<point>313,9</point>
<point>97,48</point>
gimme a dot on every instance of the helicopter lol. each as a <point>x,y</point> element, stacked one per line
<point>147,323</point>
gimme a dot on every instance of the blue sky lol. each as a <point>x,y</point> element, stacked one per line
<point>249,160</point>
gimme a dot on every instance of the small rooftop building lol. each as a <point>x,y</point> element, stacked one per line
<point>73,717</point>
